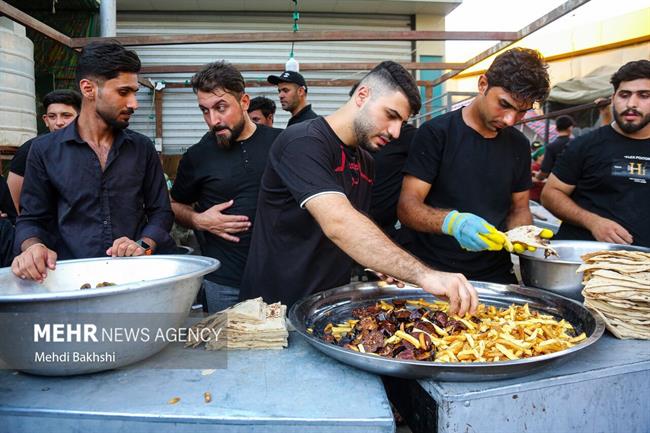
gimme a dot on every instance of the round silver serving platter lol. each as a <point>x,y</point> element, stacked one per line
<point>151,292</point>
<point>558,273</point>
<point>336,306</point>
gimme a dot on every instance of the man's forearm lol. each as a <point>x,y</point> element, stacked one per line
<point>419,216</point>
<point>564,208</point>
<point>185,214</point>
<point>362,240</point>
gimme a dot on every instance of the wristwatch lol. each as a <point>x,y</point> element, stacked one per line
<point>147,248</point>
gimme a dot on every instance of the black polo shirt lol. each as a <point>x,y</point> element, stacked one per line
<point>209,175</point>
<point>290,256</point>
<point>77,209</point>
<point>19,161</point>
<point>305,114</point>
<point>6,202</point>
<point>611,175</point>
<point>473,174</point>
<point>389,163</point>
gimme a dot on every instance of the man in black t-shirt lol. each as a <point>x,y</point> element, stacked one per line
<point>563,125</point>
<point>217,183</point>
<point>310,223</point>
<point>600,187</point>
<point>468,173</point>
<point>61,108</point>
<point>292,90</point>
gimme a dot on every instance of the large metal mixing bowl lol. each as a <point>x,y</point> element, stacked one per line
<point>336,306</point>
<point>558,274</point>
<point>152,293</point>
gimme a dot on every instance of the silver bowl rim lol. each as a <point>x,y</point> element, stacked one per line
<point>212,265</point>
<point>603,246</point>
<point>595,336</point>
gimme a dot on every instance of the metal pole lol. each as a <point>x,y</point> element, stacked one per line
<point>107,18</point>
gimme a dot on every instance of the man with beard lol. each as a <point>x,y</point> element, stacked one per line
<point>468,173</point>
<point>292,90</point>
<point>94,188</point>
<point>600,187</point>
<point>216,187</point>
<point>310,221</point>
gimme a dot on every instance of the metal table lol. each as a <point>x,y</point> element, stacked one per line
<point>292,390</point>
<point>601,389</point>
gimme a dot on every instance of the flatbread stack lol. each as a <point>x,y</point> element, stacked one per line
<point>617,287</point>
<point>251,324</point>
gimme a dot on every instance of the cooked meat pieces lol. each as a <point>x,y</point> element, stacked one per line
<point>372,341</point>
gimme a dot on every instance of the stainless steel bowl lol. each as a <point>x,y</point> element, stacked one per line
<point>336,305</point>
<point>151,293</point>
<point>558,274</point>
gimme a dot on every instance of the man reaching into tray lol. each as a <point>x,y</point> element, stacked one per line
<point>310,221</point>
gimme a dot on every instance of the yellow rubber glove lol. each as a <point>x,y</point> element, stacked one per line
<point>472,232</point>
<point>519,248</point>
<point>495,239</point>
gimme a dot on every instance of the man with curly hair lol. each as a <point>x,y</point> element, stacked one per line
<point>468,173</point>
<point>310,221</point>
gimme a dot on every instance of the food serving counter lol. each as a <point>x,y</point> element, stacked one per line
<point>602,389</point>
<point>297,389</point>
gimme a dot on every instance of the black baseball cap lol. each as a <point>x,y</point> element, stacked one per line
<point>288,77</point>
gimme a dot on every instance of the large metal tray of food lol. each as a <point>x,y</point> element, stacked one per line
<point>310,316</point>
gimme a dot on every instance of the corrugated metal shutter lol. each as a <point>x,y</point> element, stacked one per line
<point>182,121</point>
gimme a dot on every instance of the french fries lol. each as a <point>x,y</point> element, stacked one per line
<point>499,334</point>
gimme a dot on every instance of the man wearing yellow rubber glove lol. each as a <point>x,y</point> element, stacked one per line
<point>472,232</point>
<point>468,173</point>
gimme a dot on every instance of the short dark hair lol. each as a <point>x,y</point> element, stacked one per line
<point>635,70</point>
<point>265,105</point>
<point>63,96</point>
<point>398,78</point>
<point>521,72</point>
<point>563,123</point>
<point>219,75</point>
<point>105,60</point>
<point>353,88</point>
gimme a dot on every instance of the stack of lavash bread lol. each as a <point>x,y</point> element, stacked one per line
<point>617,287</point>
<point>251,324</point>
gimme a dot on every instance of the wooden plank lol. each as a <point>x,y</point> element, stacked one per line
<point>310,83</point>
<point>348,35</point>
<point>553,15</point>
<point>158,112</point>
<point>275,67</point>
<point>170,165</point>
<point>34,24</point>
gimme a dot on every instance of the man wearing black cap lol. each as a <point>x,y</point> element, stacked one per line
<point>292,89</point>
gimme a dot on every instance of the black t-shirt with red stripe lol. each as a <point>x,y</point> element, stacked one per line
<point>290,256</point>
